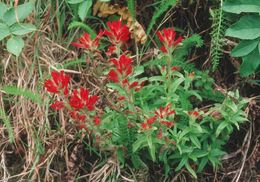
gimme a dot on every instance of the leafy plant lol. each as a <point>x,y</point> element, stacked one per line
<point>11,25</point>
<point>247,29</point>
<point>159,115</point>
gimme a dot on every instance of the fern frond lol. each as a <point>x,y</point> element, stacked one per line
<point>164,6</point>
<point>219,26</point>
<point>13,90</point>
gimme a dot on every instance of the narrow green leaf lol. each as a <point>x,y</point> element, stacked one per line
<point>139,143</point>
<point>15,45</point>
<point>221,127</point>
<point>22,28</point>
<point>76,24</point>
<point>74,1</point>
<point>151,146</point>
<point>244,48</point>
<point>195,141</point>
<point>187,165</point>
<point>250,63</point>
<point>4,31</point>
<point>259,48</point>
<point>131,7</point>
<point>247,28</point>
<point>202,164</point>
<point>182,163</point>
<point>84,7</point>
<point>18,14</point>
<point>239,6</point>
<point>13,90</point>
<point>7,124</point>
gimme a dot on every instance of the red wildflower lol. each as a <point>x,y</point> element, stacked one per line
<point>110,50</point>
<point>85,41</point>
<point>117,33</point>
<point>175,68</point>
<point>164,112</point>
<point>96,120</point>
<point>151,120</point>
<point>194,114</point>
<point>167,37</point>
<point>169,124</point>
<point>112,75</point>
<point>57,105</point>
<point>59,82</point>
<point>82,99</point>
<point>121,98</point>
<point>132,85</point>
<point>145,126</point>
<point>123,67</point>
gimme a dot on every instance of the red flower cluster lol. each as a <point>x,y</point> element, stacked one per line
<point>76,103</point>
<point>58,83</point>
<point>85,42</point>
<point>80,100</point>
<point>123,68</point>
<point>167,37</point>
<point>117,33</point>
<point>162,114</point>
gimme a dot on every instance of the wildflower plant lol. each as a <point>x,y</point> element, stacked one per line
<point>161,115</point>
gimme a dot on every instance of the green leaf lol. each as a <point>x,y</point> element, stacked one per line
<point>250,63</point>
<point>151,146</point>
<point>187,165</point>
<point>4,31</point>
<point>74,1</point>
<point>221,127</point>
<point>259,48</point>
<point>3,9</point>
<point>247,28</point>
<point>84,8</point>
<point>16,91</point>
<point>22,28</point>
<point>202,164</point>
<point>244,48</point>
<point>139,143</point>
<point>195,141</point>
<point>15,45</point>
<point>7,124</point>
<point>76,24</point>
<point>18,14</point>
<point>116,87</point>
<point>182,163</point>
<point>239,6</point>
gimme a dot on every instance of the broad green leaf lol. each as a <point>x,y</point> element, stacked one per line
<point>15,45</point>
<point>221,127</point>
<point>247,28</point>
<point>187,165</point>
<point>84,7</point>
<point>76,24</point>
<point>74,1</point>
<point>239,6</point>
<point>259,48</point>
<point>250,63</point>
<point>22,28</point>
<point>3,9</point>
<point>18,14</point>
<point>244,48</point>
<point>4,31</point>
